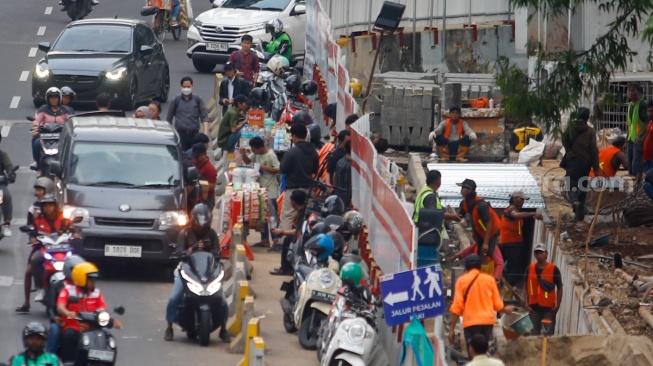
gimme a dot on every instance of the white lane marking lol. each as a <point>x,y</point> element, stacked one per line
<point>41,31</point>
<point>19,282</point>
<point>14,102</point>
<point>48,10</point>
<point>24,75</point>
<point>32,52</point>
<point>6,281</point>
<point>4,132</point>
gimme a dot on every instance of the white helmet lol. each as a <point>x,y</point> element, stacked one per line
<point>274,26</point>
<point>53,91</point>
<point>277,64</point>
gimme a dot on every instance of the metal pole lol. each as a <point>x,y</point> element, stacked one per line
<point>347,18</point>
<point>331,11</point>
<point>414,30</point>
<point>369,16</point>
<point>509,11</point>
<point>369,82</point>
<point>431,8</point>
<point>470,13</point>
<point>444,29</point>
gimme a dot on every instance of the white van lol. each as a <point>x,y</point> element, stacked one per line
<point>214,33</point>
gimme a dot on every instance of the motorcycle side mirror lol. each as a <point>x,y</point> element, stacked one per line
<point>16,168</point>
<point>73,300</point>
<point>56,168</point>
<point>192,174</point>
<point>120,310</point>
<point>44,46</point>
<point>146,50</point>
<point>30,118</point>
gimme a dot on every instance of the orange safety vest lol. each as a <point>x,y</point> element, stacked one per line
<point>479,225</point>
<point>605,162</point>
<point>447,129</point>
<point>536,295</point>
<point>511,228</point>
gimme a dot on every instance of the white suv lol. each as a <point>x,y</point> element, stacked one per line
<point>214,33</point>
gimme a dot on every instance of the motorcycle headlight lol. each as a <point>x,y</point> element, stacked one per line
<point>41,72</point>
<point>214,286</point>
<point>193,285</point>
<point>174,218</point>
<point>103,319</point>
<point>356,331</point>
<point>58,266</point>
<point>116,74</point>
<point>327,280</point>
<point>112,342</point>
<point>71,212</point>
<point>86,340</point>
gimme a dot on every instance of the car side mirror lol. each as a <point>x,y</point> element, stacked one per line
<point>56,168</point>
<point>73,300</point>
<point>146,50</point>
<point>299,9</point>
<point>192,174</point>
<point>44,46</point>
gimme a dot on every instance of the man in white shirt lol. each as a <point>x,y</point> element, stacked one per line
<point>478,349</point>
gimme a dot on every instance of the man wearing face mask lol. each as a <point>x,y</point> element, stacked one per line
<point>189,114</point>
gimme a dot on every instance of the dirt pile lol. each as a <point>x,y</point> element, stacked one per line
<point>582,350</point>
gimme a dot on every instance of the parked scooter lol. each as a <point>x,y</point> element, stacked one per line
<point>202,309</point>
<point>297,95</point>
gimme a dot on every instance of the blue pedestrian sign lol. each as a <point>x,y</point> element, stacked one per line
<point>418,292</point>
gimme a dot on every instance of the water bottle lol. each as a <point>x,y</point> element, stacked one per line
<point>491,103</point>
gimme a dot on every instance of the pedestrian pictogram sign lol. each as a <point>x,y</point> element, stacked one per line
<point>418,292</point>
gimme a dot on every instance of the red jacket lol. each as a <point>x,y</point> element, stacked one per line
<point>87,303</point>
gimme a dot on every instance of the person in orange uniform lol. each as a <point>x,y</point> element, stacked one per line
<point>647,156</point>
<point>543,290</point>
<point>511,238</point>
<point>486,227</point>
<point>477,300</point>
<point>612,157</point>
<point>453,137</point>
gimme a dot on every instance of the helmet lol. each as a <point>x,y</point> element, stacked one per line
<point>200,217</point>
<point>353,222</point>
<point>53,91</point>
<point>302,117</point>
<point>82,271</point>
<point>49,198</point>
<point>583,113</point>
<point>315,132</point>
<point>46,183</point>
<point>34,328</point>
<point>320,228</point>
<point>68,91</point>
<point>338,244</point>
<point>258,97</point>
<point>69,263</point>
<point>277,64</point>
<point>356,87</point>
<point>352,257</point>
<point>274,26</point>
<point>293,84</point>
<point>322,245</point>
<point>352,272</point>
<point>333,205</point>
<point>309,87</point>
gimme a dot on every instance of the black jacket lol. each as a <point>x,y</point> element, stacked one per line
<point>299,164</point>
<point>240,87</point>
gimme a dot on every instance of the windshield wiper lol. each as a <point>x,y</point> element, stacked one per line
<point>84,50</point>
<point>108,183</point>
<point>248,7</point>
<point>116,51</point>
<point>271,9</point>
<point>155,185</point>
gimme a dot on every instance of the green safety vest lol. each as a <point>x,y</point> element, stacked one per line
<point>635,124</point>
<point>274,45</point>
<point>419,204</point>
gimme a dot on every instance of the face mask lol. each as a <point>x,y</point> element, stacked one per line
<point>186,91</point>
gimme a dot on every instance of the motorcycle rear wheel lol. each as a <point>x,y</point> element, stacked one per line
<point>288,323</point>
<point>205,328</point>
<point>176,32</point>
<point>339,363</point>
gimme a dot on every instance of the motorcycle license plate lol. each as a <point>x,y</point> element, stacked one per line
<point>106,356</point>
<point>299,105</point>
<point>352,348</point>
<point>212,46</point>
<point>49,136</point>
<point>127,251</point>
<point>58,248</point>
<point>323,296</point>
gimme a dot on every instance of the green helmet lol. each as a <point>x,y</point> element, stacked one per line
<point>353,272</point>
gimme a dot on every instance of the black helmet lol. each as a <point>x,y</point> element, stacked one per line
<point>353,222</point>
<point>293,84</point>
<point>583,113</point>
<point>320,228</point>
<point>67,91</point>
<point>309,87</point>
<point>338,245</point>
<point>258,97</point>
<point>200,217</point>
<point>302,117</point>
<point>352,257</point>
<point>315,132</point>
<point>34,328</point>
<point>334,222</point>
<point>333,205</point>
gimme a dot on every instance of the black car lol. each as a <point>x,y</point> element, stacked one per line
<point>120,57</point>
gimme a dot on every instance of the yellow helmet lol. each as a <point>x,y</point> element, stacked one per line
<point>82,271</point>
<point>356,87</point>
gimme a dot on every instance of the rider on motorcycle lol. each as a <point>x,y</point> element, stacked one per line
<point>66,3</point>
<point>90,299</point>
<point>6,168</point>
<point>280,43</point>
<point>42,186</point>
<point>51,112</point>
<point>201,234</point>
<point>34,338</point>
<point>68,95</point>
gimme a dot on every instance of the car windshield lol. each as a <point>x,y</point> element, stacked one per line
<point>274,5</point>
<point>125,165</point>
<point>95,38</point>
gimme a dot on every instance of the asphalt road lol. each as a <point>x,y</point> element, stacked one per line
<point>142,291</point>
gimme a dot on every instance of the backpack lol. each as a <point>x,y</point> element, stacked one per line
<point>238,64</point>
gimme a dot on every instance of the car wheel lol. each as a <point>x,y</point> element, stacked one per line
<point>203,66</point>
<point>165,86</point>
<point>130,104</point>
<point>38,102</point>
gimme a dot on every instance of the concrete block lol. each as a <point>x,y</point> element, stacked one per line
<point>388,96</point>
<point>485,92</point>
<point>451,95</point>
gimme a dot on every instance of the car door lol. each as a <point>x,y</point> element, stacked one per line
<point>295,26</point>
<point>145,61</point>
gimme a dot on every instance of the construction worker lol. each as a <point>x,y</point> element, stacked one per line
<point>636,118</point>
<point>476,298</point>
<point>511,239</point>
<point>486,227</point>
<point>428,198</point>
<point>611,158</point>
<point>453,137</point>
<point>543,291</point>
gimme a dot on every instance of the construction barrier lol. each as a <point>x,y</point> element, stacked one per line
<point>239,342</point>
<point>254,345</point>
<point>214,109</point>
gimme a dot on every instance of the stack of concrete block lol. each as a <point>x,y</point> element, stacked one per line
<point>474,86</point>
<point>407,114</point>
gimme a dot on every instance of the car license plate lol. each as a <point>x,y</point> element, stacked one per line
<point>323,296</point>
<point>217,46</point>
<point>122,251</point>
<point>352,348</point>
<point>106,356</point>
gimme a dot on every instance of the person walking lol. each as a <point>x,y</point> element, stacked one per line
<point>453,137</point>
<point>543,290</point>
<point>188,112</point>
<point>478,350</point>
<point>635,121</point>
<point>231,86</point>
<point>582,154</point>
<point>246,61</point>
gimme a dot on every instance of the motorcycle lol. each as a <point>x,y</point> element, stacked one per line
<point>49,133</point>
<point>78,9</point>
<point>161,21</point>
<point>294,104</point>
<point>4,181</point>
<point>96,344</point>
<point>202,309</point>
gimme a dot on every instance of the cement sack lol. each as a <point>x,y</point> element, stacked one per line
<point>552,146</point>
<point>531,153</point>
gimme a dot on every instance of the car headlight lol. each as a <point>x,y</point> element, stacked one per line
<point>103,319</point>
<point>356,331</point>
<point>71,212</point>
<point>41,72</point>
<point>197,23</point>
<point>116,74</point>
<point>58,265</point>
<point>193,285</point>
<point>174,218</point>
<point>327,280</point>
<point>214,286</point>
